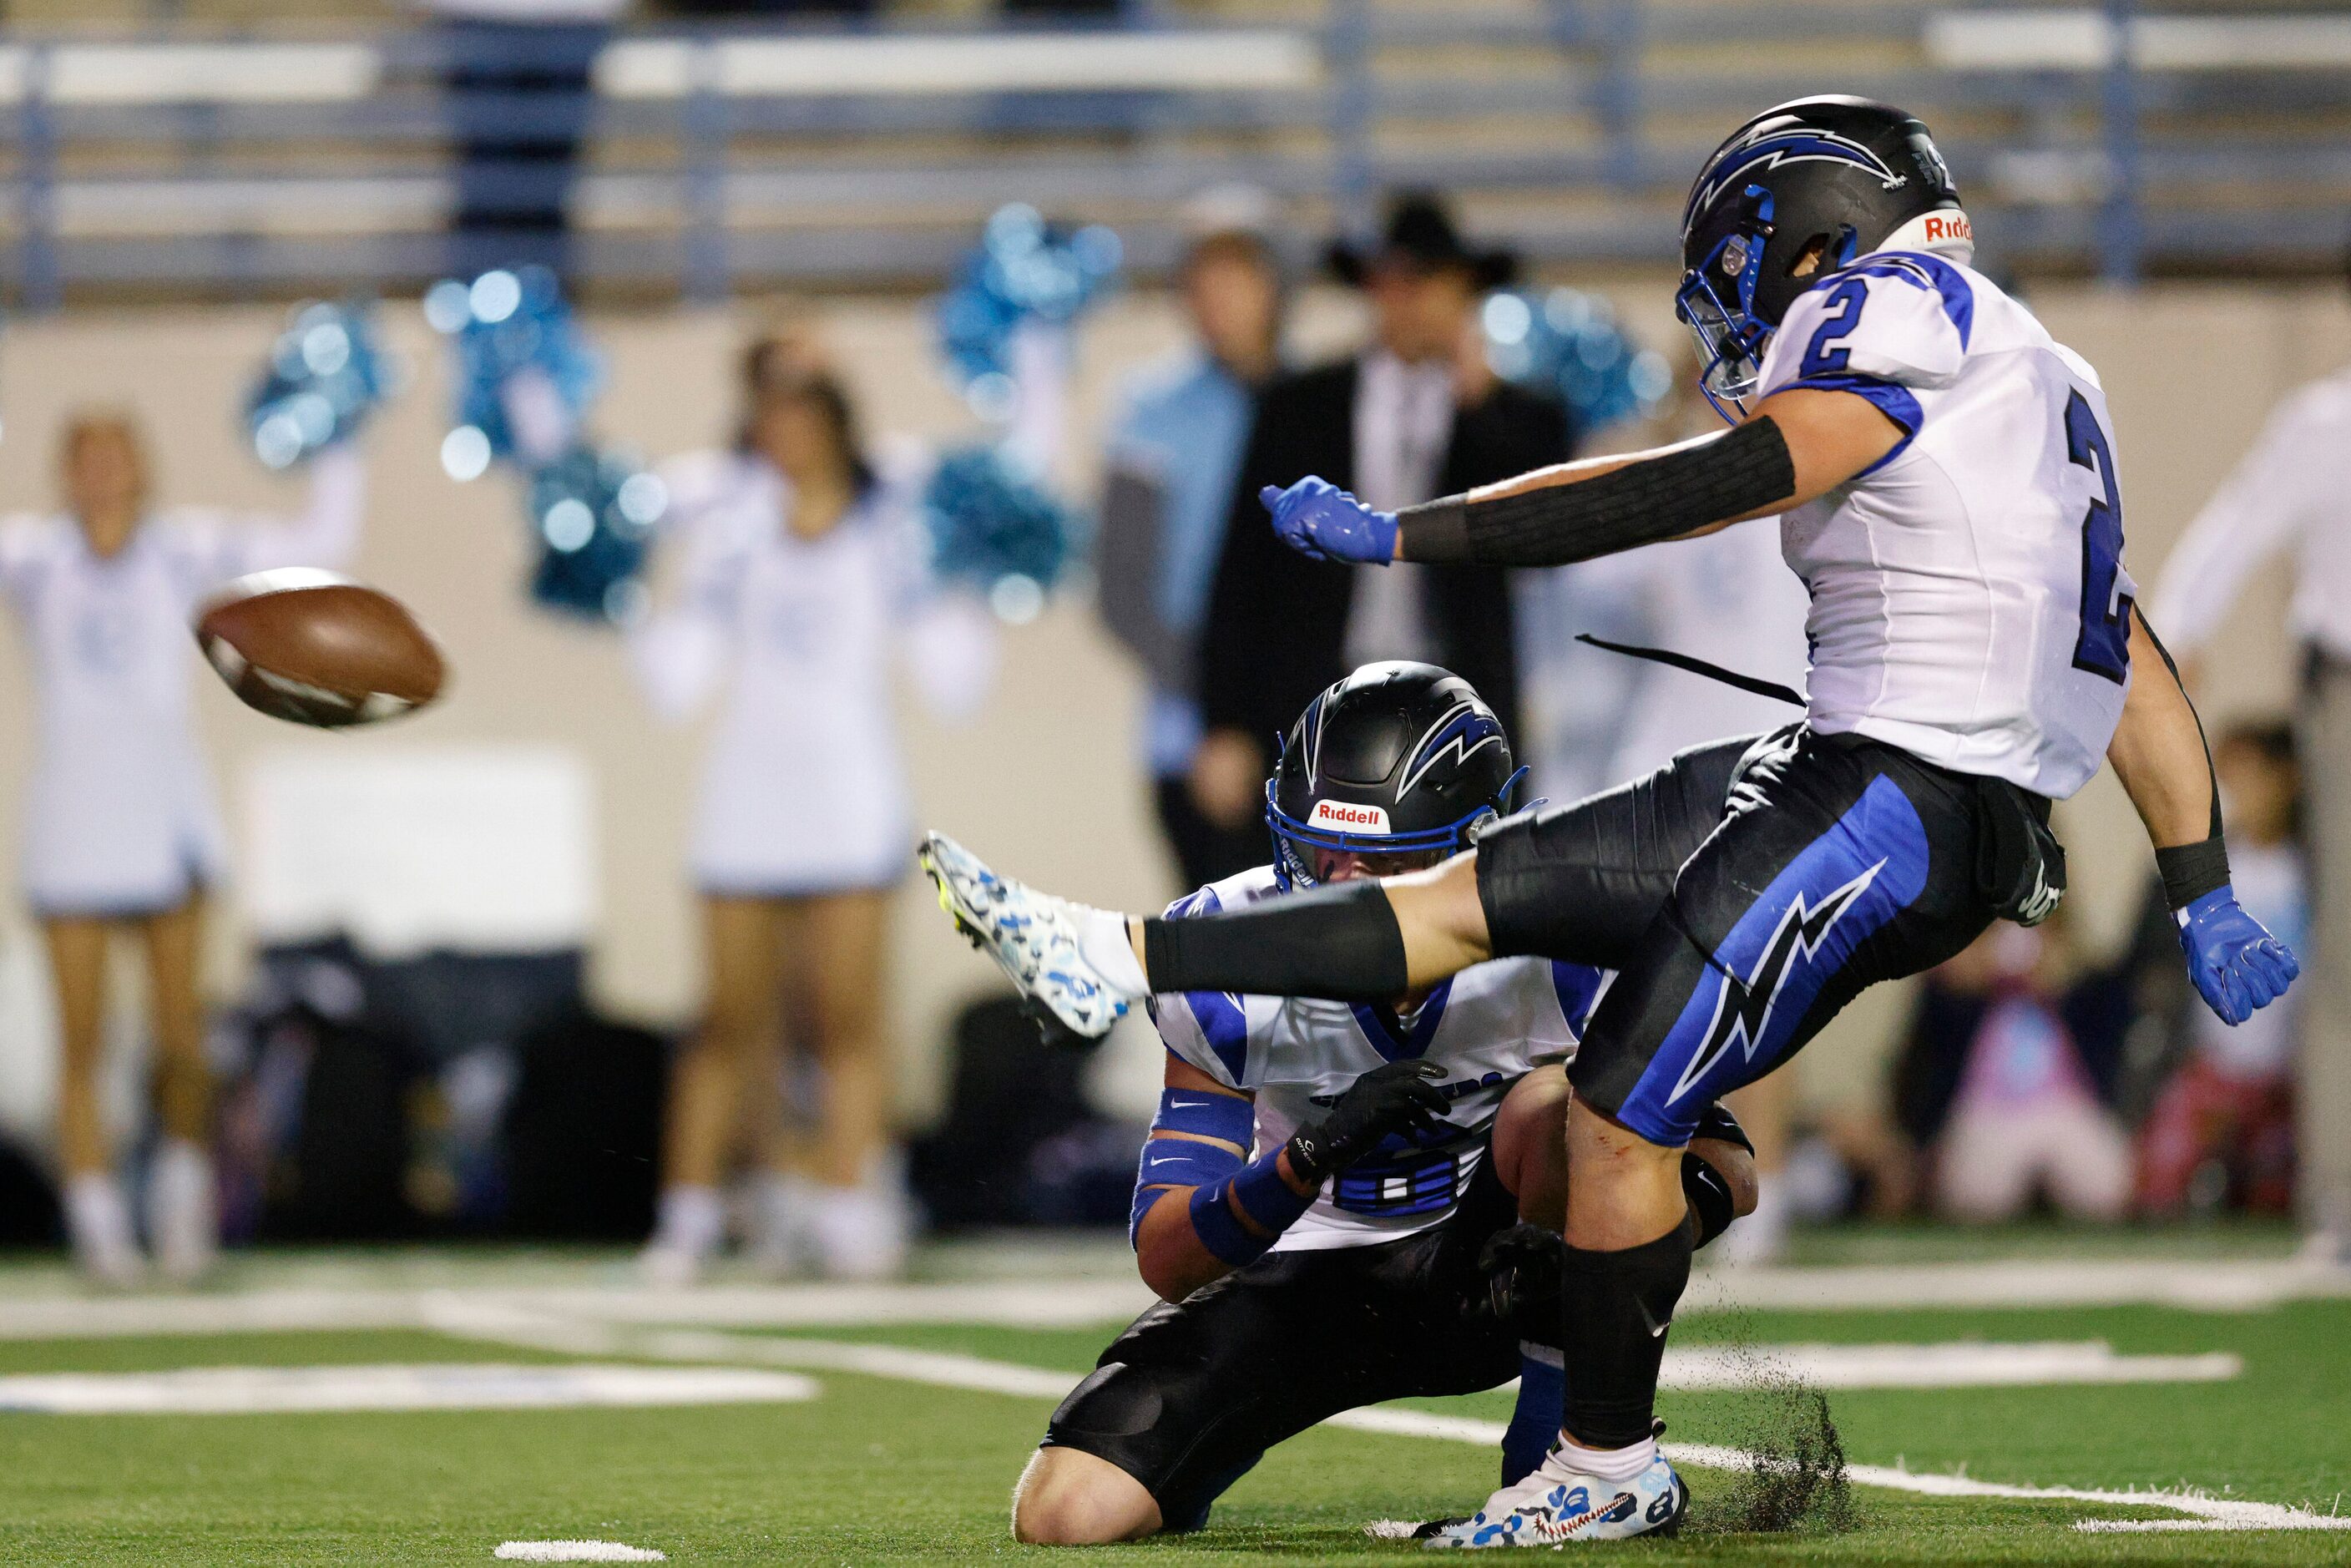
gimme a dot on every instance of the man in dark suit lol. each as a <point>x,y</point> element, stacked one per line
<point>1415,414</point>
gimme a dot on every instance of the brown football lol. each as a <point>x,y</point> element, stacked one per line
<point>312,647</point>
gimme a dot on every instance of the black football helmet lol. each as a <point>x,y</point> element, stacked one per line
<point>1398,758</point>
<point>1829,176</point>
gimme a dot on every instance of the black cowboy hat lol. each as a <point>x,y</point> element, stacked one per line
<point>1420,234</point>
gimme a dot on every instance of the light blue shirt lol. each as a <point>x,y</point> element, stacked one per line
<point>1185,424</point>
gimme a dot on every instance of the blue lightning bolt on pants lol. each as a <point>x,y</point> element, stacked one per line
<point>1744,893</point>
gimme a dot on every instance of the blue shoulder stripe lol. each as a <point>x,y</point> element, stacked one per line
<point>1922,271</point>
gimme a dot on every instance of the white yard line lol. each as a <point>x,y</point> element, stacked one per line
<point>2210,1284</point>
<point>2205,1283</point>
<point>576,1551</point>
<point>949,1371</point>
<point>1962,1363</point>
<point>437,1386</point>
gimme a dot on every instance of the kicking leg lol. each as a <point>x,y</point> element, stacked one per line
<point>1576,883</point>
<point>1841,864</point>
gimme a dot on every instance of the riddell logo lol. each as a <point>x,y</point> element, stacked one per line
<point>1348,817</point>
<point>1951,226</point>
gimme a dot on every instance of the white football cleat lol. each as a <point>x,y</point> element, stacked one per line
<point>1557,1504</point>
<point>1032,936</point>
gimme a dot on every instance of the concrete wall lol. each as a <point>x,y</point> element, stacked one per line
<point>1045,779</point>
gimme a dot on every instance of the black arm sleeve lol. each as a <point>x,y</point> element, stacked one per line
<point>1657,499</point>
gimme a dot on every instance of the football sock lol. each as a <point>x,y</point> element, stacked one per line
<point>1534,1421</point>
<point>1612,1464</point>
<point>1343,943</point>
<point>1104,943</point>
<point>1614,1309</point>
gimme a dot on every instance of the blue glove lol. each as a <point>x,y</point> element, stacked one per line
<point>1316,517</point>
<point>2236,963</point>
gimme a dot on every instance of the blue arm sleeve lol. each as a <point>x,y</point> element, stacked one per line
<point>1187,1161</point>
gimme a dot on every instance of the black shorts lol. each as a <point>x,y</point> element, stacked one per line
<point>1744,893</point>
<point>1194,1391</point>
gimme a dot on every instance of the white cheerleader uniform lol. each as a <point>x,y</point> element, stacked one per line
<point>802,789</point>
<point>120,816</point>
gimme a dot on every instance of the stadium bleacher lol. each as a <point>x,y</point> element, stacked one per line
<point>193,160</point>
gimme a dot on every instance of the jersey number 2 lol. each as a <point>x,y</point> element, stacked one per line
<point>1839,322</point>
<point>2104,646</point>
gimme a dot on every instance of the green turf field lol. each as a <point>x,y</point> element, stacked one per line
<point>883,1469</point>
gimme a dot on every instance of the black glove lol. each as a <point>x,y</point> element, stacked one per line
<point>1523,1268</point>
<point>1399,1097</point>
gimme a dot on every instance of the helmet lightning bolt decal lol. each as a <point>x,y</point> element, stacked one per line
<point>1466,728</point>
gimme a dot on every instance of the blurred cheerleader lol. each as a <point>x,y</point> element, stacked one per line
<point>121,834</point>
<point>803,578</point>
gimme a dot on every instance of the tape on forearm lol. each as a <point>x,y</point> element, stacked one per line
<point>1744,470</point>
<point>2191,871</point>
<point>1271,1204</point>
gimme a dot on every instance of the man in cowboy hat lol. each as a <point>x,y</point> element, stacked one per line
<point>1415,415</point>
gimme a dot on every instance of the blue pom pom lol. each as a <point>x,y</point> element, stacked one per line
<point>1568,344</point>
<point>326,374</point>
<point>592,514</point>
<point>1024,269</point>
<point>994,527</point>
<point>502,324</point>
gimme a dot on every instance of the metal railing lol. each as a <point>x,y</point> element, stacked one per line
<point>2090,140</point>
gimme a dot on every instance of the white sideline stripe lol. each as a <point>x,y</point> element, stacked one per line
<point>2210,1284</point>
<point>2141,1526</point>
<point>251,1390</point>
<point>1028,1304</point>
<point>1006,1377</point>
<point>1962,1364</point>
<point>2203,1284</point>
<point>576,1551</point>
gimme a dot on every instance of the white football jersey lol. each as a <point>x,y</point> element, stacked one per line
<point>1968,601</point>
<point>120,816</point>
<point>1487,1026</point>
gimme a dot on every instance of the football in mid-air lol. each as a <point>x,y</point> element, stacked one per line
<point>314,647</point>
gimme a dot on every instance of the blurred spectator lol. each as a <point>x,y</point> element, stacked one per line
<point>801,583</point>
<point>2221,1130</point>
<point>2005,1077</point>
<point>1417,413</point>
<point>122,834</point>
<point>1174,451</point>
<point>2288,491</point>
<point>517,76</point>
